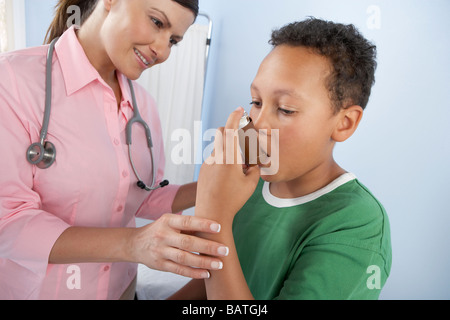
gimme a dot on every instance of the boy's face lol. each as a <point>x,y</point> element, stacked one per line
<point>289,94</point>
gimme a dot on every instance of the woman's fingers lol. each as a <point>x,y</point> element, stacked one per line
<point>170,266</point>
<point>171,247</point>
<point>191,223</point>
<point>191,243</point>
<point>193,260</point>
<point>194,244</point>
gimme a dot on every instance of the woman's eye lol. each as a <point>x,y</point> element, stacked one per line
<point>173,42</point>
<point>158,23</point>
<point>256,103</point>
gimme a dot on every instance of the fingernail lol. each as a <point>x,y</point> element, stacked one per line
<point>217,265</point>
<point>206,275</point>
<point>215,227</point>
<point>223,251</point>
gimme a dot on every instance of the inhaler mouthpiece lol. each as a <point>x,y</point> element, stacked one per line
<point>248,141</point>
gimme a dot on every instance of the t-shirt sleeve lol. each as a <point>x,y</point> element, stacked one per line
<point>335,270</point>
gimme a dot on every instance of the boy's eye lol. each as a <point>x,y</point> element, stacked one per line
<point>286,112</point>
<point>173,42</point>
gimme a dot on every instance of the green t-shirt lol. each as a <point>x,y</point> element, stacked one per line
<point>332,244</point>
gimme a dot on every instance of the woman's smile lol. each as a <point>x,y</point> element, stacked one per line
<point>145,61</point>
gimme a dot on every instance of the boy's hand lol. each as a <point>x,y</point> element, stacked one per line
<point>223,187</point>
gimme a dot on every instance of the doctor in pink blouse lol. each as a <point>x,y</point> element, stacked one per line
<point>68,232</point>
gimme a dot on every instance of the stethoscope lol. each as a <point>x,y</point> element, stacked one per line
<point>43,153</point>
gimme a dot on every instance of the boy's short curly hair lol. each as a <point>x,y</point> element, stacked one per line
<point>353,58</point>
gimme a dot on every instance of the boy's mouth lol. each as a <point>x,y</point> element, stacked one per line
<point>264,158</point>
<point>269,153</point>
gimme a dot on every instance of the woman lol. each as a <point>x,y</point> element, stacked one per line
<point>68,232</point>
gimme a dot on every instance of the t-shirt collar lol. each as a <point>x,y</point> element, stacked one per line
<point>286,203</point>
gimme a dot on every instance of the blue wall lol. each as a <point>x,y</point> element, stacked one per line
<point>401,150</point>
<point>39,14</point>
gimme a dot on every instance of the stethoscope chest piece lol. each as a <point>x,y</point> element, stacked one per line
<point>42,155</point>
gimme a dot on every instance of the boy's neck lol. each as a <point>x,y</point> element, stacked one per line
<point>308,183</point>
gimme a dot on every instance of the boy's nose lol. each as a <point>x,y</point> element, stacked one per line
<point>261,121</point>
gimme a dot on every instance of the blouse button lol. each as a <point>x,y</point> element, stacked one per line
<point>106,268</point>
<point>116,141</point>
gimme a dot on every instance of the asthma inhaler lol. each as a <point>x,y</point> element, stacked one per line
<point>248,141</point>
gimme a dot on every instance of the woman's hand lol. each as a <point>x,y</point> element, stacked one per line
<point>165,245</point>
<point>223,186</point>
<point>168,245</point>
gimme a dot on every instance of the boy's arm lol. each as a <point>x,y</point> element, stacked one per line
<point>228,283</point>
<point>185,197</point>
<point>193,290</point>
<point>223,189</point>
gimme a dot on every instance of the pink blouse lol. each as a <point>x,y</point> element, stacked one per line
<point>91,184</point>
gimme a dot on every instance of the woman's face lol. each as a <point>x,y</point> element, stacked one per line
<point>138,34</point>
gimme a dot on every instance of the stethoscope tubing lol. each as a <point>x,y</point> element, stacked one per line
<point>129,130</point>
<point>48,91</point>
<point>43,153</point>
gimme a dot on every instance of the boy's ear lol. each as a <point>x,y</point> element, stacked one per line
<point>348,121</point>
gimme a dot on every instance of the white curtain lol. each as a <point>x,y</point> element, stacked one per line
<point>12,25</point>
<point>177,86</point>
<point>3,32</point>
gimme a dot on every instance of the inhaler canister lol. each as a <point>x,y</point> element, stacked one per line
<point>248,141</point>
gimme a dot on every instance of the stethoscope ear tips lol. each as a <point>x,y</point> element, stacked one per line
<point>141,185</point>
<point>163,184</point>
<point>42,156</point>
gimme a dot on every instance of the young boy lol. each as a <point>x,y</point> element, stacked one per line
<point>312,230</point>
